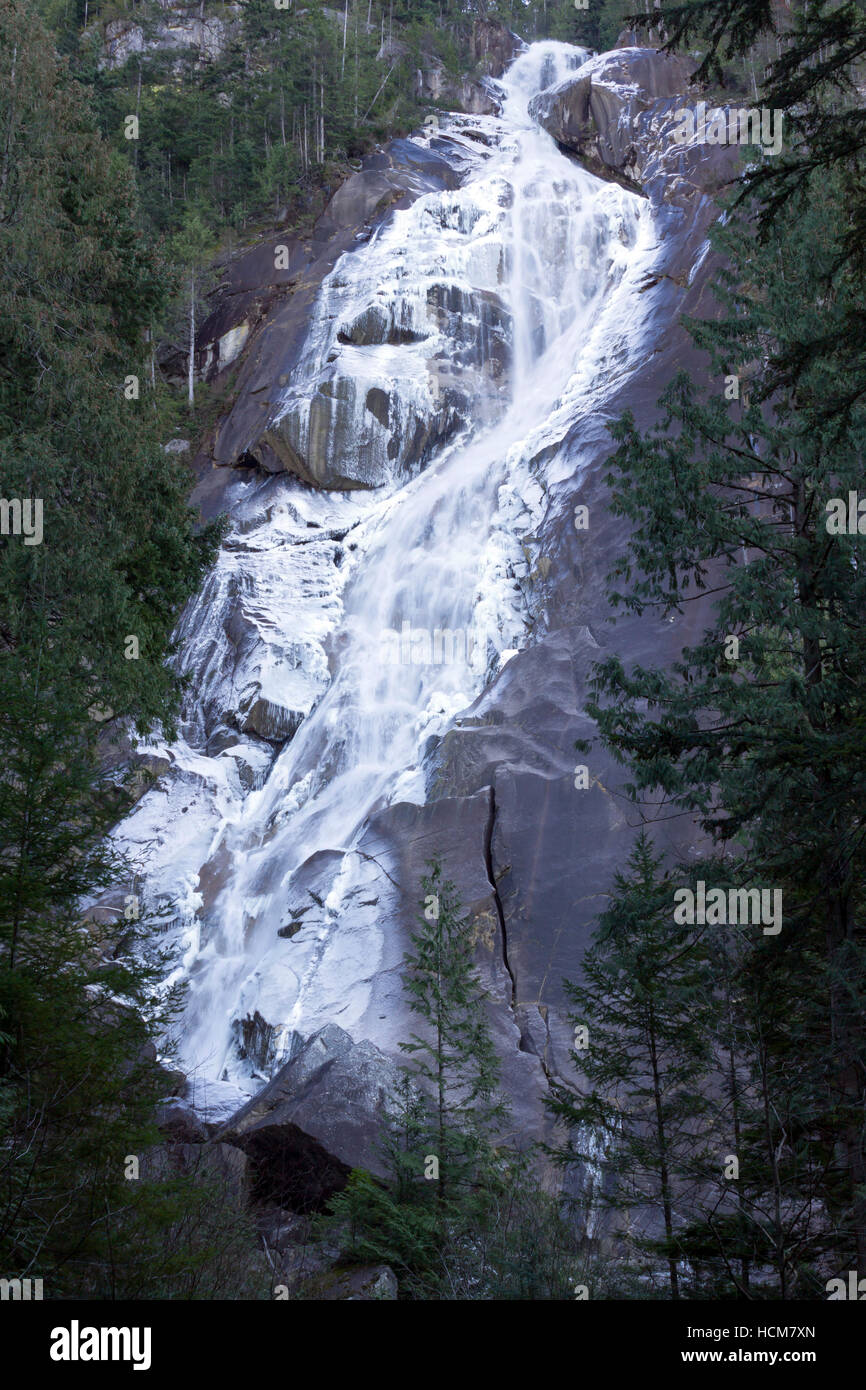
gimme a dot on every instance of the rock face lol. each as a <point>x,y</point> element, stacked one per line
<point>335,432</point>
<point>460,94</point>
<point>494,46</point>
<point>269,843</point>
<point>364,1283</point>
<point>315,1120</point>
<point>618,117</point>
<point>179,29</point>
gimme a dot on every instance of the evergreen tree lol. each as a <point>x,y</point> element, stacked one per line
<point>440,1126</point>
<point>193,248</point>
<point>758,729</point>
<point>88,599</point>
<point>761,1226</point>
<point>642,1020</point>
<point>87,606</point>
<point>810,55</point>
<point>453,1053</point>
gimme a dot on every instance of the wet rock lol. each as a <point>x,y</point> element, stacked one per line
<point>493,46</point>
<point>252,760</point>
<point>177,1120</point>
<point>457,93</point>
<point>267,294</point>
<point>214,1101</point>
<point>378,403</point>
<point>255,1040</point>
<point>617,115</point>
<point>376,325</point>
<point>317,1119</point>
<point>269,719</point>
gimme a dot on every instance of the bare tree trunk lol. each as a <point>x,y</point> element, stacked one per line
<point>664,1175</point>
<point>322,118</point>
<point>381,88</point>
<point>191,379</point>
<point>137,108</point>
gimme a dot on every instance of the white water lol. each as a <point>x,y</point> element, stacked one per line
<point>563,253</point>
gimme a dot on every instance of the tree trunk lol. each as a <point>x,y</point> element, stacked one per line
<point>191,379</point>
<point>664,1175</point>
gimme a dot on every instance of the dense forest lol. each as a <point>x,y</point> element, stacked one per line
<point>710,1140</point>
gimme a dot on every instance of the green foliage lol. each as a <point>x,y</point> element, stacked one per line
<point>728,506</point>
<point>810,60</point>
<point>117,557</point>
<point>646,1009</point>
<point>381,1225</point>
<point>453,1051</point>
<point>250,130</point>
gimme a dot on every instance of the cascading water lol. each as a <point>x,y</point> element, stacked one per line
<point>374,617</point>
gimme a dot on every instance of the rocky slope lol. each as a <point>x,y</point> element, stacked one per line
<point>386,350</point>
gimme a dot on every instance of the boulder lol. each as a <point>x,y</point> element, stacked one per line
<point>177,1120</point>
<point>358,1284</point>
<point>315,1121</point>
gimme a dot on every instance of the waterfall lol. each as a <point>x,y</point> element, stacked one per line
<point>483,321</point>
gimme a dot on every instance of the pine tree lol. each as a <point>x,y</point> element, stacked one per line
<point>761,1225</point>
<point>453,1053</point>
<point>642,1019</point>
<point>440,1126</point>
<point>758,729</point>
<point>810,54</point>
<point>87,610</point>
<point>87,603</point>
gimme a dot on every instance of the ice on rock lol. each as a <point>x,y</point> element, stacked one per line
<point>447,359</point>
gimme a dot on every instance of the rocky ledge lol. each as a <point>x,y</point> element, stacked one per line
<point>619,117</point>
